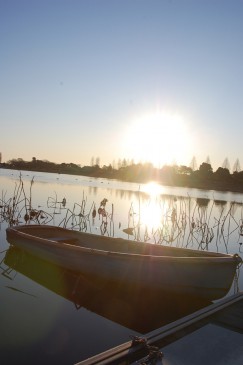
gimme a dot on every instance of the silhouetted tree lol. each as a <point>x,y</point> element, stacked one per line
<point>184,170</point>
<point>208,160</point>
<point>97,161</point>
<point>236,167</point>
<point>124,163</point>
<point>222,173</point>
<point>226,164</point>
<point>205,170</point>
<point>193,164</point>
<point>119,164</point>
<point>238,176</point>
<point>168,173</point>
<point>113,164</point>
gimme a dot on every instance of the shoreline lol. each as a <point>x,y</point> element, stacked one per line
<point>222,186</point>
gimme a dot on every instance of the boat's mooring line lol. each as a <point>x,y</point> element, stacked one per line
<point>237,275</point>
<point>154,352</point>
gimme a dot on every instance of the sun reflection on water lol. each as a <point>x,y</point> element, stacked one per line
<point>151,215</point>
<point>153,189</point>
<point>152,211</point>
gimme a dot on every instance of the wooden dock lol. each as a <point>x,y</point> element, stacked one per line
<point>212,336</point>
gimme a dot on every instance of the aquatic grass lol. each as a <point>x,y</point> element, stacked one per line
<point>18,209</point>
<point>184,221</point>
<point>189,223</point>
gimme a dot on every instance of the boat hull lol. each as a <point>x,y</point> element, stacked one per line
<point>200,274</point>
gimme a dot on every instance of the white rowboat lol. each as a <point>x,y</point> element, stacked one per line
<point>175,270</point>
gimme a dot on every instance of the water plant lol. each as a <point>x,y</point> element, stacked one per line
<point>183,221</point>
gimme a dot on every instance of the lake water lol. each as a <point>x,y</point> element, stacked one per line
<point>51,316</point>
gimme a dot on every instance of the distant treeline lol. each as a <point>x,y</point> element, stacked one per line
<point>203,178</point>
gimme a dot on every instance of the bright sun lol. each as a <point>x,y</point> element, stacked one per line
<point>159,138</point>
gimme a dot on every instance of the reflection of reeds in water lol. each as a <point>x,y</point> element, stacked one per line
<point>184,222</point>
<point>188,222</point>
<point>20,206</point>
<point>19,210</point>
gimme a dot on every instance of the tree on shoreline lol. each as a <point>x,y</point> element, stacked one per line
<point>236,166</point>
<point>204,177</point>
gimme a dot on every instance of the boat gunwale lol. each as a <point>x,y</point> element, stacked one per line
<point>215,258</point>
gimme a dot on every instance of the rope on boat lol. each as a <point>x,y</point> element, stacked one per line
<point>154,353</point>
<point>238,258</point>
<point>237,273</point>
<point>136,340</point>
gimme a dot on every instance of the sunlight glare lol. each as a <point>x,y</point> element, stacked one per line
<point>159,138</point>
<point>152,189</point>
<point>152,212</point>
<point>151,215</point>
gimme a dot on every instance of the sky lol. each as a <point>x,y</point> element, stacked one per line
<point>105,80</point>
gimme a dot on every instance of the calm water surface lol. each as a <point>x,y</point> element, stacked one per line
<point>52,316</point>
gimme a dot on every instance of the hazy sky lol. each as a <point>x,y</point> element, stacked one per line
<point>157,80</point>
